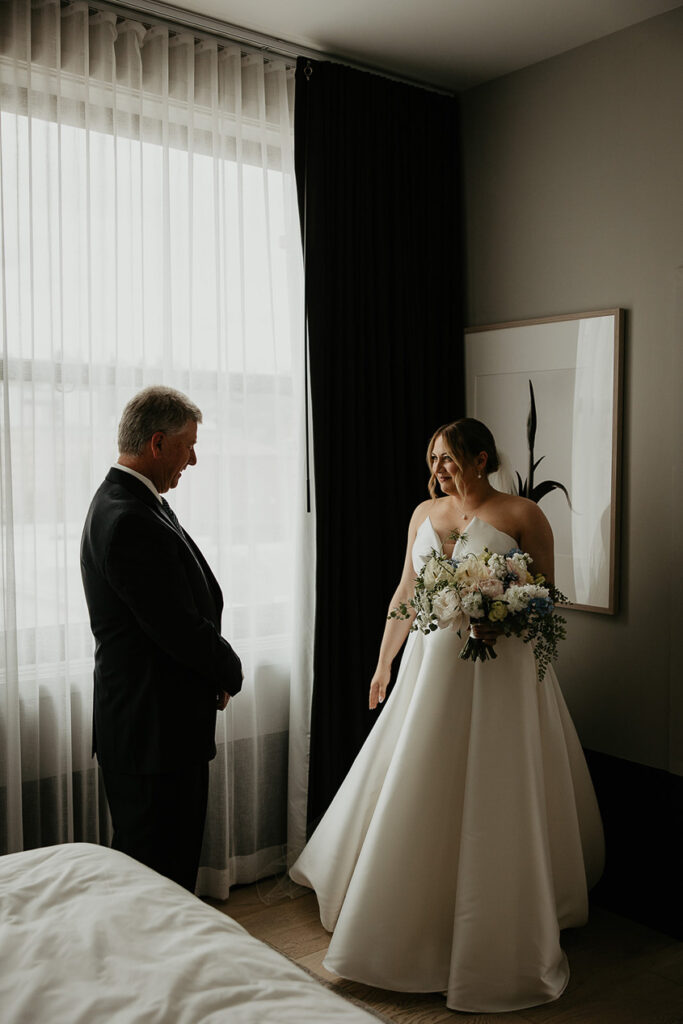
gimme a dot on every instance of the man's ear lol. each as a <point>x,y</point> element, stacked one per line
<point>156,444</point>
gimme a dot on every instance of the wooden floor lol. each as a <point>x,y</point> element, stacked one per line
<point>621,971</point>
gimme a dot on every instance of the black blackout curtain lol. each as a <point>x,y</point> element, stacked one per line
<point>379,192</point>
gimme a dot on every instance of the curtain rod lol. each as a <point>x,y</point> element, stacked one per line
<point>259,42</point>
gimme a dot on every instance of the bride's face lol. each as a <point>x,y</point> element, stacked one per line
<point>444,468</point>
<point>452,478</point>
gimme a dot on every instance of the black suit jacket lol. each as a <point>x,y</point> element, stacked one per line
<point>155,611</point>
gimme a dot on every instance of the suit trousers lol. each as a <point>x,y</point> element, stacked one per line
<point>159,819</point>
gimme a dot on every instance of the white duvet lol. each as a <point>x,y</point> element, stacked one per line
<point>88,935</point>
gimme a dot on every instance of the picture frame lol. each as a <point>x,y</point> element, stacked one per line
<point>569,369</point>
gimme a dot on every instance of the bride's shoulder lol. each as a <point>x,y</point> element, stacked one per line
<point>421,512</point>
<point>424,510</point>
<point>522,511</point>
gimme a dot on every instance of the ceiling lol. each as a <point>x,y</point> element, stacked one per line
<point>452,44</point>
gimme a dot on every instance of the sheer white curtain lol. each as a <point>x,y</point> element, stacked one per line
<point>149,235</point>
<point>591,480</point>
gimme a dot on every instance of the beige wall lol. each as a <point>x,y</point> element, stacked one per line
<point>574,201</point>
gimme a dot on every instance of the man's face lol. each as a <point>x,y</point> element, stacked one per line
<point>177,452</point>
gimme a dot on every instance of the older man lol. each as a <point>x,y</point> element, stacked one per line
<point>162,668</point>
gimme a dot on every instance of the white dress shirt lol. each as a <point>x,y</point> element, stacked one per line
<point>144,479</point>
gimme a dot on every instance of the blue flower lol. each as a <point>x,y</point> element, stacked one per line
<point>541,605</point>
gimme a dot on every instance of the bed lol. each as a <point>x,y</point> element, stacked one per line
<point>88,935</point>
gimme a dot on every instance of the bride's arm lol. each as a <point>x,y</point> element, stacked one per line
<point>536,538</point>
<point>396,630</point>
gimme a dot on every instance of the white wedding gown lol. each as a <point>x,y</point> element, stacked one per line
<point>466,833</point>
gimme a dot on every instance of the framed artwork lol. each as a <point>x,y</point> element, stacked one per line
<point>550,391</point>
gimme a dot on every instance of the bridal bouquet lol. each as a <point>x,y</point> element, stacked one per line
<point>453,592</point>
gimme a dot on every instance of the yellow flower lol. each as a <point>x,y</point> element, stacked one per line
<point>498,611</point>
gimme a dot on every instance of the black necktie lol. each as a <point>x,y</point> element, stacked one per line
<point>176,522</point>
<point>171,514</point>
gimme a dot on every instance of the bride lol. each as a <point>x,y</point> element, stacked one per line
<point>466,834</point>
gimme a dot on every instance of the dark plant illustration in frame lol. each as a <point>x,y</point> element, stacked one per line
<point>527,488</point>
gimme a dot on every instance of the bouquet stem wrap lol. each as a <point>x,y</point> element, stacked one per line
<point>477,650</point>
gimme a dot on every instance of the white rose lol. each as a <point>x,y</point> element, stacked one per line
<point>430,573</point>
<point>446,606</point>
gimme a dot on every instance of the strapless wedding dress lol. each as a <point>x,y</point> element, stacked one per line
<point>466,833</point>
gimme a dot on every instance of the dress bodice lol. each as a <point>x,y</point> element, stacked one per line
<point>477,536</point>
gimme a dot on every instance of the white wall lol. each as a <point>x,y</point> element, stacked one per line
<point>574,202</point>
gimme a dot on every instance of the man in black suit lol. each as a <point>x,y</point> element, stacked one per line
<point>162,669</point>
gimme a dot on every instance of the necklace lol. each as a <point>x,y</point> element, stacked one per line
<point>464,514</point>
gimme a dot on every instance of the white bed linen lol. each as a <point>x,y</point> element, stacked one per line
<point>88,935</point>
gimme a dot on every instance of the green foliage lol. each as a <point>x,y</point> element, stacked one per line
<point>543,632</point>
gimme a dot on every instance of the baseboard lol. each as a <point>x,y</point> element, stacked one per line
<point>642,811</point>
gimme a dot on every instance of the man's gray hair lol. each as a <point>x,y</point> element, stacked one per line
<point>155,408</point>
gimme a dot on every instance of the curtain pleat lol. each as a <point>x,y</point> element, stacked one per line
<point>149,235</point>
<point>378,178</point>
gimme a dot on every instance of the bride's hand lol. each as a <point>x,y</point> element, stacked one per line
<point>486,631</point>
<point>378,687</point>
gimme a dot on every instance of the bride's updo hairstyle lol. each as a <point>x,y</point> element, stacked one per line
<point>464,440</point>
